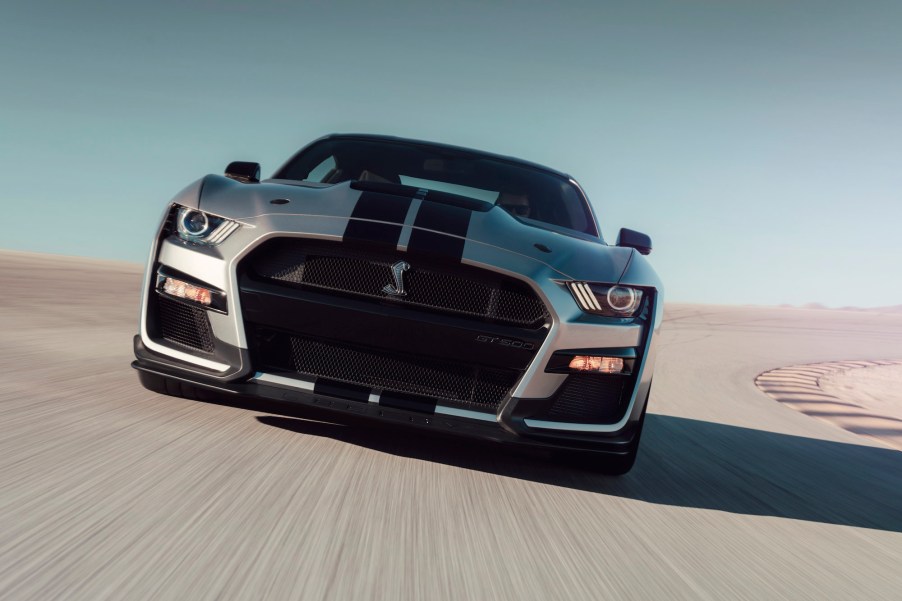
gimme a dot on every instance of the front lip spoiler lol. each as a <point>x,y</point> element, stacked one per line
<point>343,409</point>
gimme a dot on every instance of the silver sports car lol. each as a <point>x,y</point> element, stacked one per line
<point>448,289</point>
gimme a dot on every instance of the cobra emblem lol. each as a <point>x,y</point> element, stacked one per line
<point>397,271</point>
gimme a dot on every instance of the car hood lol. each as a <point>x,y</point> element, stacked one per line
<point>410,223</point>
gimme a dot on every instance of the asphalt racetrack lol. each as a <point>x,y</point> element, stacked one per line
<point>108,491</point>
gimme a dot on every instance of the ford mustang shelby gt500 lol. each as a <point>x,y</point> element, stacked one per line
<point>401,280</point>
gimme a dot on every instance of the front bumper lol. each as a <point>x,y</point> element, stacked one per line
<point>442,419</point>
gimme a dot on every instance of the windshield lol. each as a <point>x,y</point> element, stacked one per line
<point>528,193</point>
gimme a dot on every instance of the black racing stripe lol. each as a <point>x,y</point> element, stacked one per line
<point>443,218</point>
<point>451,221</point>
<point>433,195</point>
<point>381,207</point>
<point>341,390</point>
<point>378,234</point>
<point>373,208</point>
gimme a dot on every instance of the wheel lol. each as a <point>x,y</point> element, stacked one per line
<point>171,386</point>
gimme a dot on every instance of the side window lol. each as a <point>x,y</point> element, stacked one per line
<point>322,171</point>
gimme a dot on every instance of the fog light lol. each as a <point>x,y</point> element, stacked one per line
<point>604,365</point>
<point>180,289</point>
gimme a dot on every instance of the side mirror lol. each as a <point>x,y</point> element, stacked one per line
<point>634,239</point>
<point>244,172</point>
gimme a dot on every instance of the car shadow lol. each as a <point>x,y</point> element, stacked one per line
<point>682,462</point>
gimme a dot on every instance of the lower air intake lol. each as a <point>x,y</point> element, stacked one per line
<point>587,398</point>
<point>184,325</point>
<point>471,385</point>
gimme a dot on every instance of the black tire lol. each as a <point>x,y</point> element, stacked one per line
<point>171,386</point>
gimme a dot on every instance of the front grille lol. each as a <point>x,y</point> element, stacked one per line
<point>470,385</point>
<point>585,398</point>
<point>460,290</point>
<point>184,325</point>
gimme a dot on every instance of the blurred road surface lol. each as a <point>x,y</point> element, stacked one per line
<point>108,491</point>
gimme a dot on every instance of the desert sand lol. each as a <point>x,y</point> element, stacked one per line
<point>878,388</point>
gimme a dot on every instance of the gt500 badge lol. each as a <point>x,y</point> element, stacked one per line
<point>528,346</point>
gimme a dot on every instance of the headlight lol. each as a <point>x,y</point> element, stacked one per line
<point>605,299</point>
<point>202,228</point>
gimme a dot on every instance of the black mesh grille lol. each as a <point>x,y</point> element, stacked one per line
<point>469,385</point>
<point>589,399</point>
<point>184,325</point>
<point>494,297</point>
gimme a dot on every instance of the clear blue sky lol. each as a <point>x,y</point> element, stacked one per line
<point>759,143</point>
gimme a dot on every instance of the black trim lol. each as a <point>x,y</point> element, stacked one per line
<point>342,390</point>
<point>245,172</point>
<point>407,402</point>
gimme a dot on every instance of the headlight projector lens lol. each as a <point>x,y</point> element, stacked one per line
<point>193,223</point>
<point>622,299</point>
